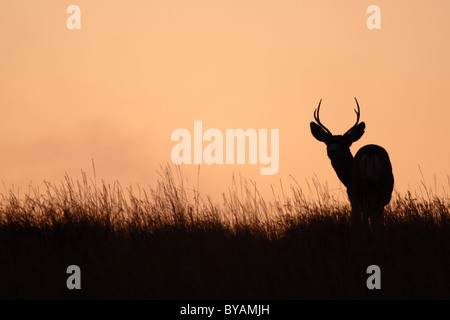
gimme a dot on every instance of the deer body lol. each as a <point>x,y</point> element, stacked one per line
<point>367,176</point>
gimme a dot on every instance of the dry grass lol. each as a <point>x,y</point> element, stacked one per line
<point>170,243</point>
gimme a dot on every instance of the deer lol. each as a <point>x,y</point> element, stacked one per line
<point>367,176</point>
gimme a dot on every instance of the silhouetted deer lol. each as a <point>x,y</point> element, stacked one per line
<point>367,176</point>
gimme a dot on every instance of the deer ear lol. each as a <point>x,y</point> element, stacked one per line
<point>319,133</point>
<point>355,134</point>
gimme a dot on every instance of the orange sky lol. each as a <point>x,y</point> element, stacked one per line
<point>115,90</point>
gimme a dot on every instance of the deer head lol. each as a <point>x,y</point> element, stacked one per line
<point>338,146</point>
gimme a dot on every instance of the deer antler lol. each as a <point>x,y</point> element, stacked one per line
<point>358,113</point>
<point>316,117</point>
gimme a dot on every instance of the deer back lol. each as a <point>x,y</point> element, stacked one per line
<point>372,180</point>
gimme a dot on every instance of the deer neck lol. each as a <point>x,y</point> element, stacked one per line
<point>343,167</point>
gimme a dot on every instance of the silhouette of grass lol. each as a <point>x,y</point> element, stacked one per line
<point>169,243</point>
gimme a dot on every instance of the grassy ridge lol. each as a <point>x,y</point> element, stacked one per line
<point>168,243</point>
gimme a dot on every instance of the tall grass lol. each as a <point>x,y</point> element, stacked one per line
<point>169,242</point>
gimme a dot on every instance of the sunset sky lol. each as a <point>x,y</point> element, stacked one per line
<point>115,90</point>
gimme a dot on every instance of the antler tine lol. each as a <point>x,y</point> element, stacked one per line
<point>316,117</point>
<point>358,113</point>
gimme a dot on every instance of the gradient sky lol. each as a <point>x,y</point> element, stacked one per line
<point>115,90</point>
